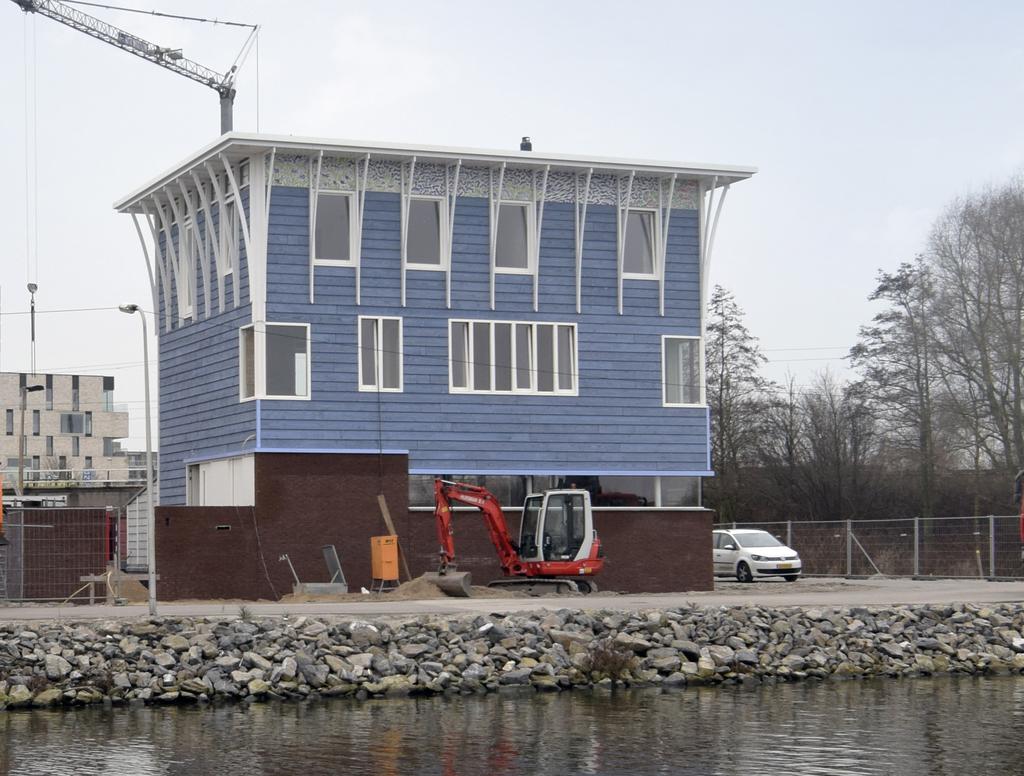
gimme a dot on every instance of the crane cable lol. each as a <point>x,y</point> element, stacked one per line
<point>159,13</point>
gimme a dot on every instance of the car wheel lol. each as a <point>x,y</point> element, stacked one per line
<point>743,573</point>
<point>791,577</point>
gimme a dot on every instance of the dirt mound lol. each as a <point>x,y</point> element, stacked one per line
<point>416,589</point>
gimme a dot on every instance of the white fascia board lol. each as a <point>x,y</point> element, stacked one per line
<point>241,144</point>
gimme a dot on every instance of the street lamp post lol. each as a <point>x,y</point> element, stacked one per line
<point>150,495</point>
<point>25,391</point>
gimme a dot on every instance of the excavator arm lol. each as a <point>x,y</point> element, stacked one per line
<point>446,492</point>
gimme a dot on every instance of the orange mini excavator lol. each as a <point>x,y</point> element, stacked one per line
<point>558,550</point>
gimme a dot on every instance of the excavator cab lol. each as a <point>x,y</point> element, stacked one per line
<point>557,526</point>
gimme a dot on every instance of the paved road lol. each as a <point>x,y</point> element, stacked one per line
<point>806,592</point>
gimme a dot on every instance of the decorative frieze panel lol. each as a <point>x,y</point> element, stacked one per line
<point>339,174</point>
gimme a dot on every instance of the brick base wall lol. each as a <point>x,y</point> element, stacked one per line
<point>304,501</point>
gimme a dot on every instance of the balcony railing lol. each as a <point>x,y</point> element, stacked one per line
<point>75,478</point>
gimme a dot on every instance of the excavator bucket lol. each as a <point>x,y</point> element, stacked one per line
<point>455,583</point>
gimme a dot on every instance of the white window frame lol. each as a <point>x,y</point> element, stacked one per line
<point>656,257</point>
<point>353,248</point>
<point>700,365</point>
<point>230,248</point>
<point>260,362</point>
<point>378,364</point>
<point>531,237</point>
<point>443,231</point>
<point>532,390</point>
<point>186,267</point>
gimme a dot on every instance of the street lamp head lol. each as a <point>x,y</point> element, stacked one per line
<point>128,308</point>
<point>31,388</point>
<point>32,288</point>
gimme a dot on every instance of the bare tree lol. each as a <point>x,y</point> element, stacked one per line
<point>976,257</point>
<point>899,378</point>
<point>735,393</point>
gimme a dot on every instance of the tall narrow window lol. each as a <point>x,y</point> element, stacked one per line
<point>49,392</point>
<point>380,354</point>
<point>108,447</point>
<point>35,422</point>
<point>229,234</point>
<point>638,251</point>
<point>333,228</point>
<point>423,234</point>
<point>681,371</point>
<point>88,424</point>
<point>49,445</point>
<point>247,362</point>
<point>459,354</point>
<point>75,447</point>
<point>9,422</point>
<point>481,333</point>
<point>74,393</point>
<point>186,268</point>
<point>512,357</point>
<point>512,250</point>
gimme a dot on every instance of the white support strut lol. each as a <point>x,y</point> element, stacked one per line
<point>149,267</point>
<point>314,196</point>
<point>217,231</point>
<point>453,196</point>
<point>663,248</point>
<point>229,245</point>
<point>204,264</point>
<point>243,219</point>
<point>406,206</point>
<point>581,227</point>
<point>174,251</point>
<point>161,261</point>
<point>360,203</point>
<point>495,215</point>
<point>538,209</point>
<point>706,264</point>
<point>623,226</point>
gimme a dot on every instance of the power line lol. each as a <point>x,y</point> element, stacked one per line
<point>68,310</point>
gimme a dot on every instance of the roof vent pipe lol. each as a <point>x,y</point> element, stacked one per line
<point>526,144</point>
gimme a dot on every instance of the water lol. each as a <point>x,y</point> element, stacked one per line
<point>898,727</point>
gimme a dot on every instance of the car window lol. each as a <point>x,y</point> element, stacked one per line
<point>718,541</point>
<point>760,539</point>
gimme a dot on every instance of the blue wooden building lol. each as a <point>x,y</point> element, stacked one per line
<point>515,316</point>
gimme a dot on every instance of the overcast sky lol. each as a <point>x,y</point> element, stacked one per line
<point>865,120</point>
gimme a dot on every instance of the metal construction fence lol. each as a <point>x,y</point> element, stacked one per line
<point>980,547</point>
<point>53,552</point>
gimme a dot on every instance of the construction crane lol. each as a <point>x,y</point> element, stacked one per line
<point>168,58</point>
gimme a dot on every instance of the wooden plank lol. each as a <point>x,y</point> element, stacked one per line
<point>391,530</point>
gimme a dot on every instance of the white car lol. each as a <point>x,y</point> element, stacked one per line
<point>748,554</point>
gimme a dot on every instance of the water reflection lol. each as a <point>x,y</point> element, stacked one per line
<point>938,726</point>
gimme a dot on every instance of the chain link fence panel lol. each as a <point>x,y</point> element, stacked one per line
<point>52,552</point>
<point>960,547</point>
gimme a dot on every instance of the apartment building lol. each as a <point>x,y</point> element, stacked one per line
<point>71,431</point>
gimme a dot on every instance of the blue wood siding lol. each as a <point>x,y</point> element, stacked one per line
<point>200,413</point>
<point>616,424</point>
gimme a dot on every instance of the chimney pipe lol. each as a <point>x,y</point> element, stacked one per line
<point>526,144</point>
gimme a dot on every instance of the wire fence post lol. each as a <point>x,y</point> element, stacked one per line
<point>992,546</point>
<point>849,548</point>
<point>789,533</point>
<point>917,546</point>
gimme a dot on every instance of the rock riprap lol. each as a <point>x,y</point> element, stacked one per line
<point>182,660</point>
